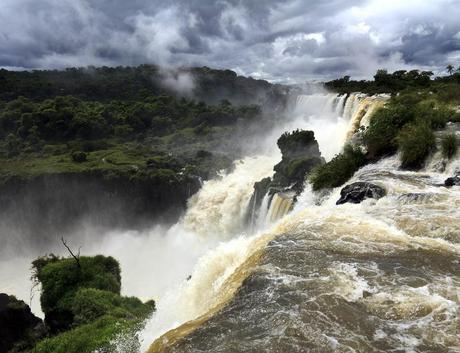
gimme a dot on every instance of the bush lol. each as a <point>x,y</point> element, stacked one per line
<point>380,136</point>
<point>98,336</point>
<point>89,304</point>
<point>449,145</point>
<point>339,169</point>
<point>297,142</point>
<point>434,114</point>
<point>415,141</point>
<point>62,278</point>
<point>79,157</point>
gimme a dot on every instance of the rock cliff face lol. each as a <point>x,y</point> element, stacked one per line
<point>300,155</point>
<point>49,204</point>
<point>19,328</point>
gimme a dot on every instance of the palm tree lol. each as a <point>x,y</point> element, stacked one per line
<point>450,69</point>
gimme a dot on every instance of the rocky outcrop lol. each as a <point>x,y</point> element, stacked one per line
<point>300,154</point>
<point>357,192</point>
<point>19,328</point>
<point>452,181</point>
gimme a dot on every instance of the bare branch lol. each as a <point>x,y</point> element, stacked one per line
<point>77,258</point>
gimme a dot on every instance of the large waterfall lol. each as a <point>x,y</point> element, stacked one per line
<point>378,276</point>
<point>218,211</point>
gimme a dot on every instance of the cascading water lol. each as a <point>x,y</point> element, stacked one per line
<point>207,243</point>
<point>280,206</point>
<point>218,212</point>
<point>379,276</point>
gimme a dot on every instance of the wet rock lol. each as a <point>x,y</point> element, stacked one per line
<point>452,181</point>
<point>357,192</point>
<point>19,328</point>
<point>417,197</point>
<point>300,155</point>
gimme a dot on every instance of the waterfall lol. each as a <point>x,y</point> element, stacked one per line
<point>263,212</point>
<point>360,110</point>
<point>216,216</point>
<point>219,209</point>
<point>318,258</point>
<point>280,205</point>
<point>377,274</point>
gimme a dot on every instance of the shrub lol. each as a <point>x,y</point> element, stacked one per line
<point>380,136</point>
<point>415,141</point>
<point>89,304</point>
<point>434,114</point>
<point>339,169</point>
<point>97,336</point>
<point>449,145</point>
<point>79,157</point>
<point>298,141</point>
<point>62,278</point>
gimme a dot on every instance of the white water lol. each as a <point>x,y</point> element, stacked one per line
<point>207,243</point>
<point>219,209</point>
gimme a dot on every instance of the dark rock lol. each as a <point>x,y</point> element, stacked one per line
<point>357,192</point>
<point>260,189</point>
<point>300,154</point>
<point>452,181</point>
<point>19,328</point>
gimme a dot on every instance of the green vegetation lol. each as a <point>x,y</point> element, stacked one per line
<point>449,145</point>
<point>339,169</point>
<point>136,84</point>
<point>62,278</point>
<point>381,137</point>
<point>445,89</point>
<point>415,141</point>
<point>99,335</point>
<point>82,303</point>
<point>418,106</point>
<point>115,121</point>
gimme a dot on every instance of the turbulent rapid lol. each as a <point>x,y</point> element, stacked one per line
<point>207,299</point>
<point>375,277</point>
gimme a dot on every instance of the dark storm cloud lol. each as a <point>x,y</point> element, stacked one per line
<point>285,40</point>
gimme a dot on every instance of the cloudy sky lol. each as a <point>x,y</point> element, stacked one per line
<point>279,40</point>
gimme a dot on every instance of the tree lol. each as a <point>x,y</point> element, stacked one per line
<point>450,69</point>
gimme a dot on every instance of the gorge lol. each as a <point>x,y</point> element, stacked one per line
<point>235,275</point>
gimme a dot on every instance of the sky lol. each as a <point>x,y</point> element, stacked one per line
<point>285,41</point>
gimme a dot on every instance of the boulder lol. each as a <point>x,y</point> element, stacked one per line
<point>357,192</point>
<point>19,328</point>
<point>452,181</point>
